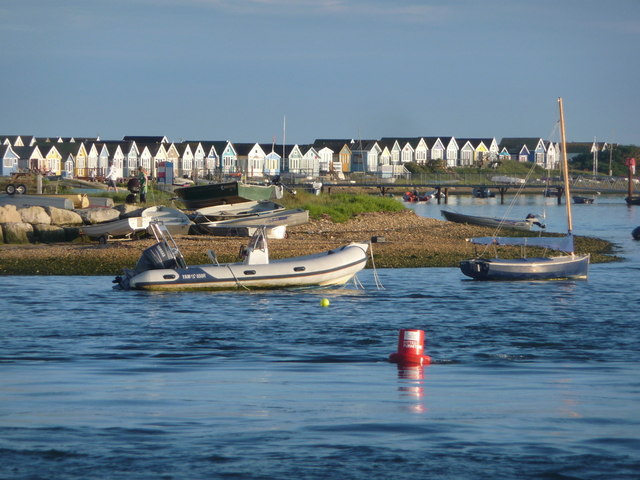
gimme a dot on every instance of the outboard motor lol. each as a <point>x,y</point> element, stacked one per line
<point>158,256</point>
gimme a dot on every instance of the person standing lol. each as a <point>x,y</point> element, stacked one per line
<point>111,178</point>
<point>142,178</point>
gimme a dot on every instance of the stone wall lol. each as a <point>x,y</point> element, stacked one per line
<point>48,224</point>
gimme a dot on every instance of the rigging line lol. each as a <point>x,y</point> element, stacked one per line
<point>357,283</point>
<point>376,278</point>
<point>511,204</point>
<point>236,278</point>
<point>555,131</point>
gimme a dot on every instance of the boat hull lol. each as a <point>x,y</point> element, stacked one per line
<point>236,210</point>
<point>547,268</point>
<point>117,228</point>
<point>296,216</point>
<point>327,269</point>
<point>175,220</point>
<point>486,221</point>
<point>482,192</point>
<point>277,231</point>
<point>200,196</point>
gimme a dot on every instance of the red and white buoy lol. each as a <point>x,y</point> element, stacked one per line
<point>410,349</point>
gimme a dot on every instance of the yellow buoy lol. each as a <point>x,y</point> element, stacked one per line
<point>325,302</point>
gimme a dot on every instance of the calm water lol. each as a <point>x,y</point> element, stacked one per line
<point>529,380</point>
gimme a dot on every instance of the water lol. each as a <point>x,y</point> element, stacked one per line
<point>529,380</point>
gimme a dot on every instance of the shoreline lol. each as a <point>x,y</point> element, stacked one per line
<point>410,241</point>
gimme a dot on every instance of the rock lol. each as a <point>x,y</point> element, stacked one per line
<point>98,215</point>
<point>128,210</point>
<point>101,202</point>
<point>60,216</point>
<point>9,214</point>
<point>49,233</point>
<point>17,232</point>
<point>34,215</point>
<point>71,233</point>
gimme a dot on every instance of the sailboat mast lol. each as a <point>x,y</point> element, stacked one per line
<point>284,143</point>
<point>565,168</point>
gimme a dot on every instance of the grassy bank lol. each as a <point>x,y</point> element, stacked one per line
<point>341,207</point>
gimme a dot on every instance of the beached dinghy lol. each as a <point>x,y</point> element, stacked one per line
<point>200,196</point>
<point>162,267</point>
<point>123,227</point>
<point>235,210</point>
<point>291,217</point>
<point>525,224</point>
<point>176,221</point>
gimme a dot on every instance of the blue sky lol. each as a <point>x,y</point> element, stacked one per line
<point>234,69</point>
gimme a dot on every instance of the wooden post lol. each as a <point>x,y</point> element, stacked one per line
<point>39,184</point>
<point>502,191</point>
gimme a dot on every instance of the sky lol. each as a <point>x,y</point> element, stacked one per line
<point>300,70</point>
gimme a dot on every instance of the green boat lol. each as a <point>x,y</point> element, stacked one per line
<point>200,196</point>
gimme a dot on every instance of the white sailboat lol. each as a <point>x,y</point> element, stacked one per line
<point>567,266</point>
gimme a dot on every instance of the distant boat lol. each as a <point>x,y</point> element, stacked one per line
<point>508,180</point>
<point>200,196</point>
<point>416,197</point>
<point>636,233</point>
<point>525,224</point>
<point>163,267</point>
<point>585,200</point>
<point>482,192</point>
<point>569,266</point>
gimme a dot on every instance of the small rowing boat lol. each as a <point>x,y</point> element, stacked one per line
<point>525,224</point>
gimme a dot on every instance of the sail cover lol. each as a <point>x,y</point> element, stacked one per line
<point>562,244</point>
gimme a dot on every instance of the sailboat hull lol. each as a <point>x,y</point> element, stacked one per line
<point>488,221</point>
<point>546,268</point>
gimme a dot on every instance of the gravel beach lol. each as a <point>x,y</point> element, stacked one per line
<point>404,240</point>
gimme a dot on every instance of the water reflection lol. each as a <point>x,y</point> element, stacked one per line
<point>411,379</point>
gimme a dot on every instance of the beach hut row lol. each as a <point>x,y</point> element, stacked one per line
<point>89,158</point>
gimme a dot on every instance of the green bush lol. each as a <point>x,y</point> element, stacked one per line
<point>340,207</point>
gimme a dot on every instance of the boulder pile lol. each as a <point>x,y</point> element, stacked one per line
<point>48,224</point>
